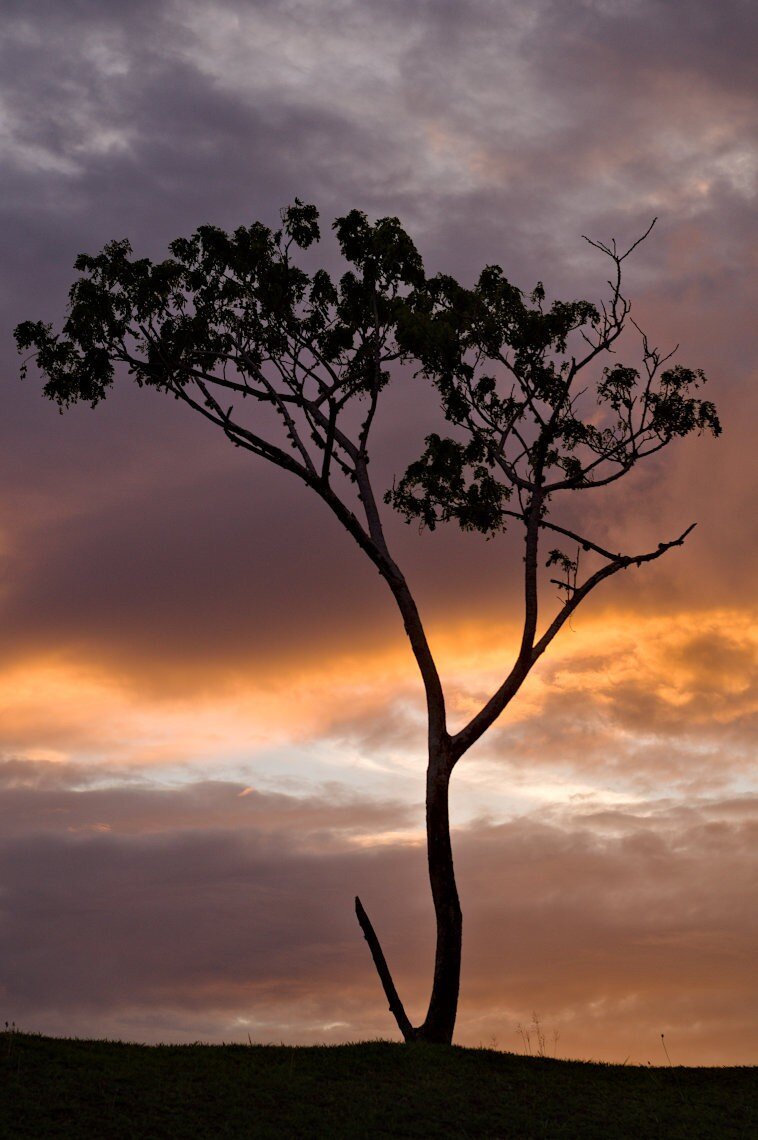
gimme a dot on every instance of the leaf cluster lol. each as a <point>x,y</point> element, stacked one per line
<point>513,375</point>
<point>224,298</point>
<point>229,319</point>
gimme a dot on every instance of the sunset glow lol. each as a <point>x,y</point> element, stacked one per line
<point>212,729</point>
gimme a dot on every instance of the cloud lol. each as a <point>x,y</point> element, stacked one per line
<point>201,912</point>
<point>64,800</point>
<point>173,613</point>
<point>620,705</point>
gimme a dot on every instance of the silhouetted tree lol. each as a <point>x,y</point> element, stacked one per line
<point>291,367</point>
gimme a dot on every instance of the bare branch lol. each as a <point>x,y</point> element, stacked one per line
<point>599,576</point>
<point>488,714</point>
<point>582,541</point>
<point>382,969</point>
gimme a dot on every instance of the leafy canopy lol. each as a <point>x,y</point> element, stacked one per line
<point>281,359</point>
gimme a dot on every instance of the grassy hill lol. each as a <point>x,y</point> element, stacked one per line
<point>53,1088</point>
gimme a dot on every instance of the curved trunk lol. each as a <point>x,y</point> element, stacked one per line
<point>439,1023</point>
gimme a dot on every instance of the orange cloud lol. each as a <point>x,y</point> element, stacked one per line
<point>617,700</point>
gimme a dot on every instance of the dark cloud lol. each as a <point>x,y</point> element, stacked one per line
<point>200,913</point>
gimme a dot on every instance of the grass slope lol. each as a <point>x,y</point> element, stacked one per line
<point>51,1088</point>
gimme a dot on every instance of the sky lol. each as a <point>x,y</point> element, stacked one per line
<point>211,731</point>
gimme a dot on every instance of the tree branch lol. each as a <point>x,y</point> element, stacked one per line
<point>382,969</point>
<point>478,725</point>
<point>620,563</point>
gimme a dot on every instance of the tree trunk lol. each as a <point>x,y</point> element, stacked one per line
<point>439,1023</point>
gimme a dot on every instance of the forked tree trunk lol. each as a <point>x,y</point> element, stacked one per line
<point>439,1023</point>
